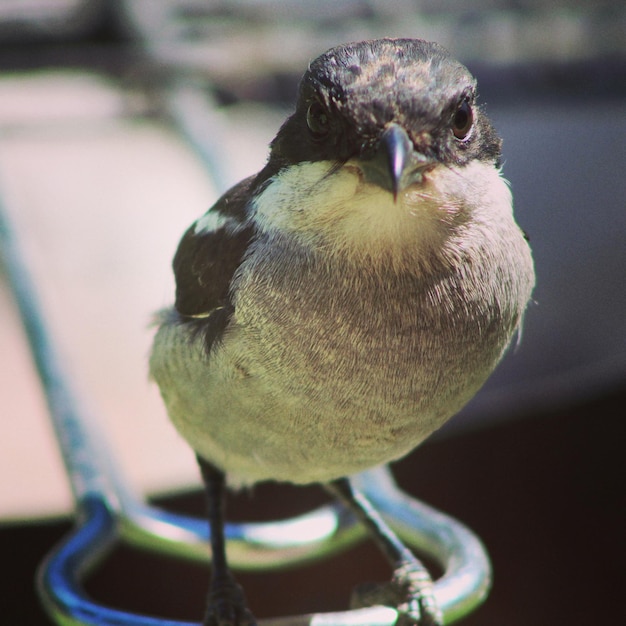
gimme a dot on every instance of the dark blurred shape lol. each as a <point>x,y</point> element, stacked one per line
<point>22,23</point>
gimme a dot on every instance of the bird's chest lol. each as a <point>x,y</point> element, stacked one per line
<point>341,370</point>
<point>332,337</point>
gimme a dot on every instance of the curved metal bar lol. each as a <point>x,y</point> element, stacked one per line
<point>258,546</point>
<point>60,576</point>
<point>108,512</point>
<point>461,589</point>
<point>466,580</point>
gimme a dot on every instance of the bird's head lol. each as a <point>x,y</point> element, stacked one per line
<point>381,130</point>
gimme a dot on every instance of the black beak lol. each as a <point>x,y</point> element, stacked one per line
<point>396,147</point>
<point>394,160</point>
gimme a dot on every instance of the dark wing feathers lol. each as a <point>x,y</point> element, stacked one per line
<point>204,266</point>
<point>206,261</point>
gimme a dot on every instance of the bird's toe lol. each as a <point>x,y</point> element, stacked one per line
<point>410,591</point>
<point>227,606</point>
<point>417,604</point>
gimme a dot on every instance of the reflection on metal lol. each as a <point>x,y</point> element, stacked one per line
<point>107,512</point>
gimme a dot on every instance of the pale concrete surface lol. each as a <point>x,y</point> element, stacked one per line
<point>99,198</point>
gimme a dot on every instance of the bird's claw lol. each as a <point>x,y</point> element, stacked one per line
<point>410,591</point>
<point>417,604</point>
<point>227,605</point>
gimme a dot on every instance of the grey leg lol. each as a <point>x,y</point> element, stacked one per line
<point>411,587</point>
<point>226,602</point>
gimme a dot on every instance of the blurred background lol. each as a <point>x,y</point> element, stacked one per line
<point>122,121</point>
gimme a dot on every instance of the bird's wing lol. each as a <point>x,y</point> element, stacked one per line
<point>207,258</point>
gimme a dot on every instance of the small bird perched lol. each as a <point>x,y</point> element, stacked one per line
<point>335,309</point>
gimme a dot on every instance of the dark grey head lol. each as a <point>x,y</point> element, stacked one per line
<point>397,105</point>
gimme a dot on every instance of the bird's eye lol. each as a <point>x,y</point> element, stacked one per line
<point>463,120</point>
<point>317,120</point>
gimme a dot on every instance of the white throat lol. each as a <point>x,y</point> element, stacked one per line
<point>337,211</point>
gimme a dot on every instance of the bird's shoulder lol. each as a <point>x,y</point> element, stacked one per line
<point>209,254</point>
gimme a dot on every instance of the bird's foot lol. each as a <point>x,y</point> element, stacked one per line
<point>410,591</point>
<point>227,605</point>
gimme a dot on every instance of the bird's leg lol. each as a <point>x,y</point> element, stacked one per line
<point>226,602</point>
<point>411,587</point>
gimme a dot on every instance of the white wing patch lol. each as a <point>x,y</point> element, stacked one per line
<point>214,220</point>
<point>209,222</point>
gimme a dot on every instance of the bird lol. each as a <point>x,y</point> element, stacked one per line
<point>338,307</point>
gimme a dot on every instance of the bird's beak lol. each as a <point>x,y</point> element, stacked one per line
<point>395,164</point>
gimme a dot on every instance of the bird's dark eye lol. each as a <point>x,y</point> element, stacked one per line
<point>317,120</point>
<point>463,120</point>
